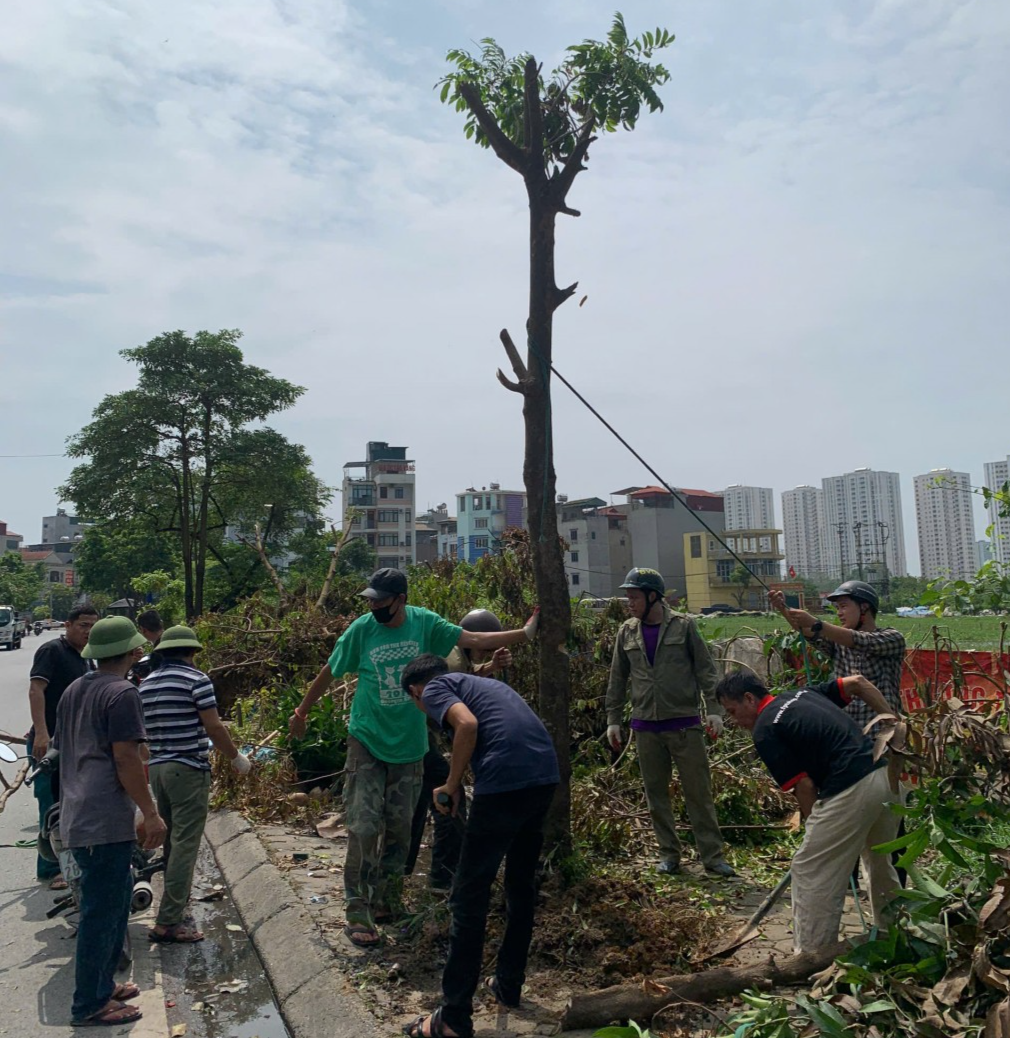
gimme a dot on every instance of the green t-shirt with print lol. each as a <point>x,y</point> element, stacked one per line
<point>383,716</point>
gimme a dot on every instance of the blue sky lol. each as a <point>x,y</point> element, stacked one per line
<point>800,267</point>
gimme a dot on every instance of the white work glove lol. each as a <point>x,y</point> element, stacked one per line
<point>615,736</point>
<point>241,763</point>
<point>715,725</point>
<point>531,625</point>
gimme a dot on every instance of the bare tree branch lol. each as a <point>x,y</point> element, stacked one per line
<point>258,547</point>
<point>507,382</point>
<point>339,540</point>
<point>513,354</point>
<point>511,154</point>
<point>561,294</point>
<point>573,166</point>
<point>568,211</point>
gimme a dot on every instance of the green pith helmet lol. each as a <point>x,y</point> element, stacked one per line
<point>179,638</point>
<point>645,580</point>
<point>858,591</point>
<point>113,636</point>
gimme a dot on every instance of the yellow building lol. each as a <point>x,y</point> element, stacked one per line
<point>712,573</point>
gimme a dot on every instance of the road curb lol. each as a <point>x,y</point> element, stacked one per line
<point>306,981</point>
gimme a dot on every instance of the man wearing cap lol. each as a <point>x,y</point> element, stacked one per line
<point>668,665</point>
<point>386,740</point>
<point>151,627</point>
<point>99,733</point>
<point>180,712</point>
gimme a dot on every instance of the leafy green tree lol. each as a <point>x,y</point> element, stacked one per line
<point>542,127</point>
<point>61,598</point>
<point>742,576</point>
<point>21,585</point>
<point>110,555</point>
<point>179,449</point>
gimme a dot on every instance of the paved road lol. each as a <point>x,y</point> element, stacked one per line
<point>36,954</point>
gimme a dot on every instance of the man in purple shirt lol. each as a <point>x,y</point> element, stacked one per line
<point>664,659</point>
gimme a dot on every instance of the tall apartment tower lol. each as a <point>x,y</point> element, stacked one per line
<point>380,491</point>
<point>749,508</point>
<point>996,474</point>
<point>943,516</point>
<point>803,521</point>
<point>482,516</point>
<point>862,525</point>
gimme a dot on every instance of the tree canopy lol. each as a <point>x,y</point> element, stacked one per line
<point>183,456</point>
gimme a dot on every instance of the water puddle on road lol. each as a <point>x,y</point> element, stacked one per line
<point>193,975</point>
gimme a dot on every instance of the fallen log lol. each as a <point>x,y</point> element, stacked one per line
<point>640,1002</point>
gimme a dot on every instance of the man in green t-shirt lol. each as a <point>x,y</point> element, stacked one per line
<point>387,739</point>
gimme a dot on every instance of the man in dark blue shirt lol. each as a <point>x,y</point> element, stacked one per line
<point>515,774</point>
<point>814,749</point>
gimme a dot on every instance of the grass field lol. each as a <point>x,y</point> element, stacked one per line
<point>966,632</point>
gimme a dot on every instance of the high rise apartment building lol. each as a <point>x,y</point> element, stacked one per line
<point>748,508</point>
<point>862,530</point>
<point>945,524</point>
<point>995,475</point>
<point>378,493</point>
<point>802,523</point>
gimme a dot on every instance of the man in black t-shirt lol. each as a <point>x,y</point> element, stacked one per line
<point>817,752</point>
<point>57,664</point>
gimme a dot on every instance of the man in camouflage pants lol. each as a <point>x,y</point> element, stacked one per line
<point>386,740</point>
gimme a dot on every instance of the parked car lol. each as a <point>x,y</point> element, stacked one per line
<point>720,607</point>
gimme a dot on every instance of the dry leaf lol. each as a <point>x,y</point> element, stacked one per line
<point>997,1021</point>
<point>995,914</point>
<point>178,1031</point>
<point>331,827</point>
<point>652,987</point>
<point>950,989</point>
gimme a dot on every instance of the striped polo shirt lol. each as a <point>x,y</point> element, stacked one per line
<point>172,697</point>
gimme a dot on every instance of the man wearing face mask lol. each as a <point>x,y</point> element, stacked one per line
<point>387,739</point>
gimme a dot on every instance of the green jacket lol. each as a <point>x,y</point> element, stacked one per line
<point>683,671</point>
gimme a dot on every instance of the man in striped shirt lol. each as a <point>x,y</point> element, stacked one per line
<point>180,714</point>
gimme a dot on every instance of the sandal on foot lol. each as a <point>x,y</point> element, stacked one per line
<point>58,883</point>
<point>437,1028</point>
<point>495,988</point>
<point>356,933</point>
<point>125,991</point>
<point>178,934</point>
<point>111,1015</point>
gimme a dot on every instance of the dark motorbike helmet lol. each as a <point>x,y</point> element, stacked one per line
<point>858,591</point>
<point>645,580</point>
<point>481,620</point>
<point>649,582</point>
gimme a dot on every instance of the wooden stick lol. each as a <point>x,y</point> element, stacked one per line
<point>18,780</point>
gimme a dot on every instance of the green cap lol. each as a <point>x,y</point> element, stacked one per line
<point>113,636</point>
<point>179,638</point>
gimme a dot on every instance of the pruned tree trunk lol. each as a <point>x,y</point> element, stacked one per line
<point>640,1002</point>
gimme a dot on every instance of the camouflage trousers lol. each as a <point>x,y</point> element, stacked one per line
<point>379,800</point>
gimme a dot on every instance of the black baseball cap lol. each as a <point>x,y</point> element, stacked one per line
<point>384,583</point>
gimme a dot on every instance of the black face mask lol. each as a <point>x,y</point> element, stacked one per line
<point>383,614</point>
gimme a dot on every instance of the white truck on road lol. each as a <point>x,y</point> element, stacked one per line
<point>12,628</point>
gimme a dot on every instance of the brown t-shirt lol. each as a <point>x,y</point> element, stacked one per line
<point>95,712</point>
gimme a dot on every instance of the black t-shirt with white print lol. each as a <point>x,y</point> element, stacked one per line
<point>807,734</point>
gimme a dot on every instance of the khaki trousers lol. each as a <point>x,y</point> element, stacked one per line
<point>839,830</point>
<point>657,753</point>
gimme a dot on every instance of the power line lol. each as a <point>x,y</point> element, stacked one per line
<point>649,468</point>
<point>32,455</point>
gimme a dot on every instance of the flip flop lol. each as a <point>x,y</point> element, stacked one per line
<point>354,932</point>
<point>58,883</point>
<point>178,934</point>
<point>112,1015</point>
<point>495,988</point>
<point>437,1027</point>
<point>125,991</point>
